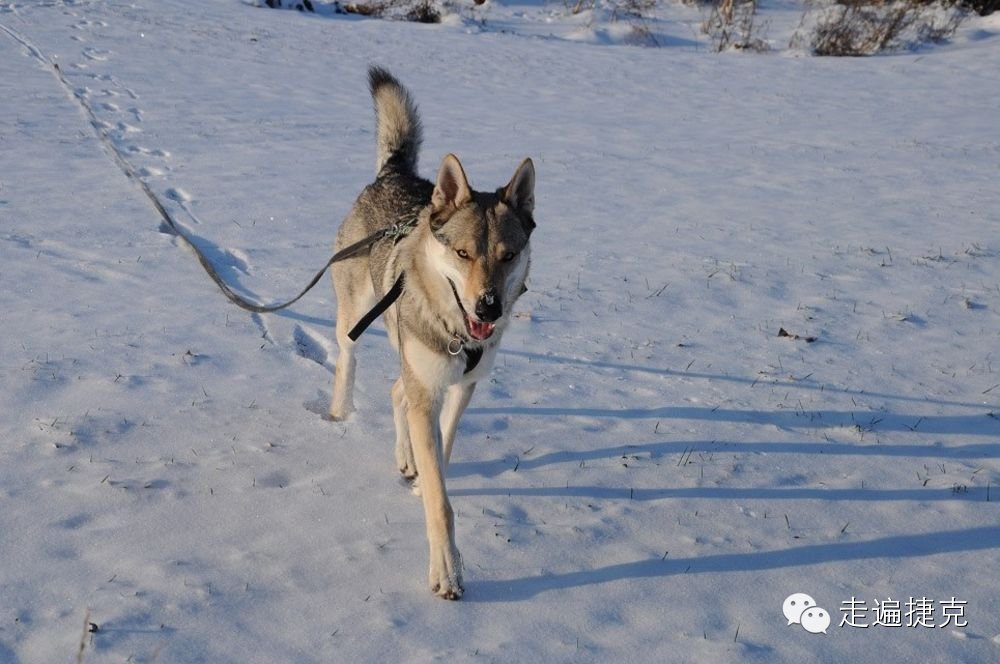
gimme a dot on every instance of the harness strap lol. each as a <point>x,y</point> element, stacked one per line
<point>379,309</point>
<point>472,355</point>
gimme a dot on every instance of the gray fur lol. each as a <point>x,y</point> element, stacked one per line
<point>398,127</point>
<point>464,264</point>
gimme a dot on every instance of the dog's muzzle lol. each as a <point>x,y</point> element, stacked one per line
<point>488,306</point>
<point>478,326</point>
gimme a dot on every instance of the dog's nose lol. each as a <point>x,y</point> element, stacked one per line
<point>488,306</point>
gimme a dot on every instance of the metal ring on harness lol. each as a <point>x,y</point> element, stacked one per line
<point>461,345</point>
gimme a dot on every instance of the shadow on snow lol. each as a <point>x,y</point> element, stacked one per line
<point>893,547</point>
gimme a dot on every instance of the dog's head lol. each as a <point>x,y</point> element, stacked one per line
<point>482,245</point>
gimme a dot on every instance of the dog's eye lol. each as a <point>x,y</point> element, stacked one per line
<point>462,253</point>
<point>508,257</point>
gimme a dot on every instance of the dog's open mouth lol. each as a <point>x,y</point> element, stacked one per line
<point>479,330</point>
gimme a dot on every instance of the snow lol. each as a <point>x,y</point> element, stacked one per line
<point>651,469</point>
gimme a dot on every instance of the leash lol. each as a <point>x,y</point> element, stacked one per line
<point>395,231</point>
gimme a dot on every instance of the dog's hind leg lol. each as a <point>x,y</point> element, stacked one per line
<point>404,450</point>
<point>342,403</point>
<point>455,402</point>
<point>353,300</point>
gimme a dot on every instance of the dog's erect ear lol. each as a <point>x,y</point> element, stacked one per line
<point>519,194</point>
<point>520,191</point>
<point>452,188</point>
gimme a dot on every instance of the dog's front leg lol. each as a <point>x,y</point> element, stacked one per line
<point>422,414</point>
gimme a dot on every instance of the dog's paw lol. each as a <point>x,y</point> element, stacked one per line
<point>340,410</point>
<point>338,415</point>
<point>405,462</point>
<point>446,574</point>
<point>451,593</point>
<point>448,588</point>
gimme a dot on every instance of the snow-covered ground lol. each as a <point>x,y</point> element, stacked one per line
<point>651,470</point>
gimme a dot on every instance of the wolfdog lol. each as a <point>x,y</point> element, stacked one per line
<point>455,263</point>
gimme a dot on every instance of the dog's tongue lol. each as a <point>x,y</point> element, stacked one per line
<point>479,329</point>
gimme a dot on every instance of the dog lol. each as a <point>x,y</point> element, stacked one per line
<point>455,274</point>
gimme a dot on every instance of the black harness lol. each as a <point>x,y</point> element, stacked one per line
<point>472,355</point>
<point>387,300</point>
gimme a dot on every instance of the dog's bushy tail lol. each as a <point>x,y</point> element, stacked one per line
<point>398,126</point>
